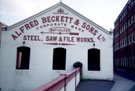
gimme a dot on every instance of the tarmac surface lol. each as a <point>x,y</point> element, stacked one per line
<point>130,75</point>
<point>95,85</point>
<point>121,82</point>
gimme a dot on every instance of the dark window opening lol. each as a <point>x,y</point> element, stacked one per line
<point>94,59</point>
<point>59,59</point>
<point>23,57</point>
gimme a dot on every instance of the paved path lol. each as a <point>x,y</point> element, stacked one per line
<point>126,74</point>
<point>119,84</point>
<point>122,84</point>
<point>95,85</point>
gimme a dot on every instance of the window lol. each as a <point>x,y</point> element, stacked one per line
<point>132,4</point>
<point>130,38</point>
<point>133,61</point>
<point>94,59</point>
<point>133,36</point>
<point>126,61</point>
<point>59,59</point>
<point>129,7</point>
<point>126,25</point>
<point>126,40</point>
<point>23,57</point>
<point>128,22</point>
<point>132,19</point>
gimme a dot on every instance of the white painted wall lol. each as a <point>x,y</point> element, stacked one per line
<point>41,56</point>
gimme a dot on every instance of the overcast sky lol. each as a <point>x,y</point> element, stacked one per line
<point>102,12</point>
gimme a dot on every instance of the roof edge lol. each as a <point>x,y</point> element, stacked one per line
<point>85,18</point>
<point>34,16</point>
<point>55,6</point>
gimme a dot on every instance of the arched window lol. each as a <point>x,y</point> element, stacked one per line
<point>59,59</point>
<point>23,57</point>
<point>94,59</point>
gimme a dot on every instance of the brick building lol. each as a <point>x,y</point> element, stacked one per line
<point>124,38</point>
<point>2,27</point>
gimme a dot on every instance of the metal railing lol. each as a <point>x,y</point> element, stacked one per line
<point>66,82</point>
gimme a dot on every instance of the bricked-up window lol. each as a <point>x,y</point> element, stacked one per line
<point>23,58</point>
<point>59,58</point>
<point>94,59</point>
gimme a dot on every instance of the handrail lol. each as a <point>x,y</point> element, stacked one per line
<point>60,82</point>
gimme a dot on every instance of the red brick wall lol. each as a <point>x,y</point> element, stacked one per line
<point>0,33</point>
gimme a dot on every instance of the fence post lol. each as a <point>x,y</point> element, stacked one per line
<point>75,79</point>
<point>61,82</point>
<point>65,81</point>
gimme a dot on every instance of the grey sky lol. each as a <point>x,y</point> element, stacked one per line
<point>102,12</point>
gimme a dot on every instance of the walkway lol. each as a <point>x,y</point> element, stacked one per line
<point>122,84</point>
<point>95,85</point>
<point>130,75</point>
<point>126,74</point>
<point>119,84</point>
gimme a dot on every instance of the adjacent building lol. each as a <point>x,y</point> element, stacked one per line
<point>2,27</point>
<point>124,38</point>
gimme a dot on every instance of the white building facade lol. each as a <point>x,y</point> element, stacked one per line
<point>40,48</point>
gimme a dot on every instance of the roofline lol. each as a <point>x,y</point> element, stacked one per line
<point>33,16</point>
<point>85,18</point>
<point>122,10</point>
<point>3,24</point>
<point>55,6</point>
